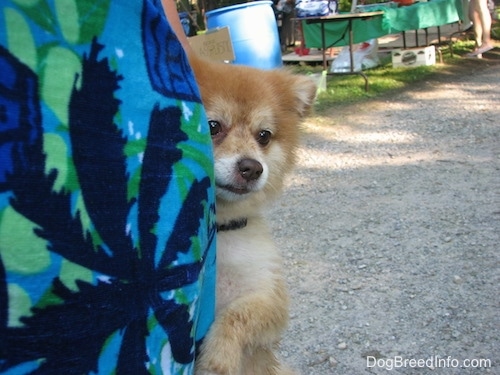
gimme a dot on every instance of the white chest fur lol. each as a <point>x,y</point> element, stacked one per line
<point>247,260</point>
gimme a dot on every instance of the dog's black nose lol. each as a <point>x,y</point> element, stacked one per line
<point>250,169</point>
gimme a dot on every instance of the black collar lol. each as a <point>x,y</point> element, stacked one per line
<point>232,225</point>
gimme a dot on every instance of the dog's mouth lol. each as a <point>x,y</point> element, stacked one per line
<point>240,190</point>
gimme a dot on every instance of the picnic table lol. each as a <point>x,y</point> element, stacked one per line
<point>347,29</point>
<point>417,16</point>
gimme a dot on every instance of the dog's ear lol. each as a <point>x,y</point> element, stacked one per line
<point>304,90</point>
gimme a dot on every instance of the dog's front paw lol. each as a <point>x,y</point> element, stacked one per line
<point>219,356</point>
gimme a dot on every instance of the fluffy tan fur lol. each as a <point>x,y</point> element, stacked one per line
<point>252,298</point>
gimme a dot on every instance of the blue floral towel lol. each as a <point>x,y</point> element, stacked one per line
<point>107,225</point>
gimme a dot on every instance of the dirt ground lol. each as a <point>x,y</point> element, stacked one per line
<point>390,230</point>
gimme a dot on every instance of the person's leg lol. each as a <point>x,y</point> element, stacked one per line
<point>485,19</point>
<point>481,20</point>
<point>476,21</point>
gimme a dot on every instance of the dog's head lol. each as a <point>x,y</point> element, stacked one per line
<point>254,119</point>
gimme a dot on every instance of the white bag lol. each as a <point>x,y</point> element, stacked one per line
<point>364,55</point>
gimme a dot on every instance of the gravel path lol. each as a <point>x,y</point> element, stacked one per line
<point>390,229</point>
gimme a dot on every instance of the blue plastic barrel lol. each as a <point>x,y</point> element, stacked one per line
<point>254,33</point>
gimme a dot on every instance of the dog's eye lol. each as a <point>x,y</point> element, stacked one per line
<point>215,127</point>
<point>264,137</point>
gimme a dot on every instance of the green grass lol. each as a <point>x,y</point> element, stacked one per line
<point>382,79</point>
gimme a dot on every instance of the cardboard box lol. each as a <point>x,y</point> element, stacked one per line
<point>214,44</point>
<point>412,57</point>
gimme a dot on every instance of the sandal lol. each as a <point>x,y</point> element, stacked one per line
<point>480,50</point>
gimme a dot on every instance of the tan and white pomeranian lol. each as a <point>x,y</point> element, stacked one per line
<point>254,118</point>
